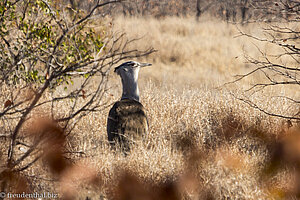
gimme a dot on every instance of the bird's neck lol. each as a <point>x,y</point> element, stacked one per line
<point>130,89</point>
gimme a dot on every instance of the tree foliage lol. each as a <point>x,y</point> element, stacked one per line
<point>44,47</point>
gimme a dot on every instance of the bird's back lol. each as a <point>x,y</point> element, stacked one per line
<point>126,122</point>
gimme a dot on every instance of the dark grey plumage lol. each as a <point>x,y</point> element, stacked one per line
<point>127,120</point>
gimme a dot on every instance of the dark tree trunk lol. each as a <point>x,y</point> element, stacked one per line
<point>243,11</point>
<point>199,12</point>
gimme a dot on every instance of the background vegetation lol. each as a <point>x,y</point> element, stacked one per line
<point>222,99</point>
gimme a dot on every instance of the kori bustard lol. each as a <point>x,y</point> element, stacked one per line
<point>127,120</point>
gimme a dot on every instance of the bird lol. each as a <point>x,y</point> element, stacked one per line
<point>127,120</point>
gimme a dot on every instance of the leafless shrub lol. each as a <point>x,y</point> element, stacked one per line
<point>279,69</point>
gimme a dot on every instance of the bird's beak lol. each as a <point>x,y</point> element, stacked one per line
<point>145,64</point>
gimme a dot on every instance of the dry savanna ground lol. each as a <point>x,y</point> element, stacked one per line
<point>203,143</point>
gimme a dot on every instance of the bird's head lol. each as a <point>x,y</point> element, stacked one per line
<point>130,69</point>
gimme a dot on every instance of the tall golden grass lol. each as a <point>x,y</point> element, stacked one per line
<point>202,144</point>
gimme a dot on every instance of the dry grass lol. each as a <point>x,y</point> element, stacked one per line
<point>209,52</point>
<point>200,135</point>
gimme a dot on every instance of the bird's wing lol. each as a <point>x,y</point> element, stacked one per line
<point>126,118</point>
<point>132,118</point>
<point>112,123</point>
